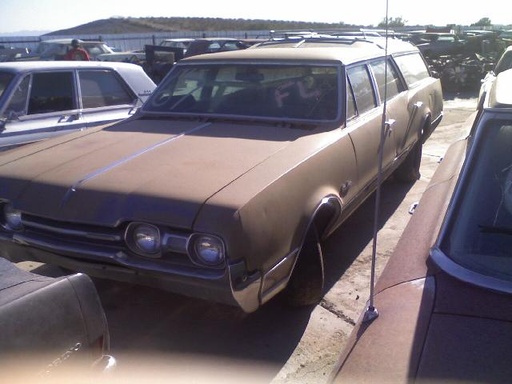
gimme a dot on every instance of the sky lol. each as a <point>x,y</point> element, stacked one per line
<point>52,15</point>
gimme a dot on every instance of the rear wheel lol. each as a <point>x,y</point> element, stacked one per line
<point>409,170</point>
<point>306,284</point>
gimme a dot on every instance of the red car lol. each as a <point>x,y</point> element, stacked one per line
<point>444,300</point>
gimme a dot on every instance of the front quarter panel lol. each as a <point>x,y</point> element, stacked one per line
<point>263,216</point>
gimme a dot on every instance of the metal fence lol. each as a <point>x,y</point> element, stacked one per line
<point>129,42</point>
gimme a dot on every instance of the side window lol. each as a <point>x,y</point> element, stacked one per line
<point>362,87</point>
<point>351,104</point>
<point>51,92</point>
<point>394,86</point>
<point>19,100</point>
<point>103,88</point>
<point>413,68</point>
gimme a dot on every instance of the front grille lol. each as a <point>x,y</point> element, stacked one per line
<point>80,233</point>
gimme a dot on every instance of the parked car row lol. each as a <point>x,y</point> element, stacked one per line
<point>224,183</point>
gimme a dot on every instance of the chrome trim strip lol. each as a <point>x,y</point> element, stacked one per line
<point>122,161</point>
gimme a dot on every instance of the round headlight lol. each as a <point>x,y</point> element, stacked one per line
<point>12,218</point>
<point>147,238</point>
<point>209,250</point>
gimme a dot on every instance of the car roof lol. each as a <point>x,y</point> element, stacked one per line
<point>68,41</point>
<point>27,66</point>
<point>345,50</point>
<point>126,69</point>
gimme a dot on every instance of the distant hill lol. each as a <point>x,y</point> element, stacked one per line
<point>173,24</point>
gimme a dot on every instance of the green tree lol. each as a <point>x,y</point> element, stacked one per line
<point>483,22</point>
<point>393,22</point>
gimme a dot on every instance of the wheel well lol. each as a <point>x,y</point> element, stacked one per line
<point>425,128</point>
<point>326,215</point>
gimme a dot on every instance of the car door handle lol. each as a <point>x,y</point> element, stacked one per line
<point>69,118</point>
<point>388,126</point>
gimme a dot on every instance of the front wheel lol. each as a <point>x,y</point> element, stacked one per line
<point>306,284</point>
<point>409,170</point>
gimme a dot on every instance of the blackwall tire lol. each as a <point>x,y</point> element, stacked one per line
<point>306,284</point>
<point>409,170</point>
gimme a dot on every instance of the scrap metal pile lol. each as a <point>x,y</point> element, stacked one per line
<point>462,72</point>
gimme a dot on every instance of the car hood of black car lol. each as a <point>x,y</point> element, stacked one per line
<point>154,170</point>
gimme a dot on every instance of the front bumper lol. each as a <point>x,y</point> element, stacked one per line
<point>231,285</point>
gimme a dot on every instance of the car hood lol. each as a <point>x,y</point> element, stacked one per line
<point>141,169</point>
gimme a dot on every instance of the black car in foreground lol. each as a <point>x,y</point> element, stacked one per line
<point>444,301</point>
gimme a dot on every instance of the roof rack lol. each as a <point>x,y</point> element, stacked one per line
<point>362,33</point>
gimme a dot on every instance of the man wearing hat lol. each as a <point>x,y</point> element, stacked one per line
<point>77,52</point>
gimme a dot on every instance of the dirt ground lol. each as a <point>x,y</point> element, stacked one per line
<point>332,321</point>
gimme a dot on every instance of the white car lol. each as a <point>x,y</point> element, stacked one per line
<point>504,63</point>
<point>42,99</point>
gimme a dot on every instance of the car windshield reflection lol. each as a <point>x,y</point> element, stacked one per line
<point>272,91</point>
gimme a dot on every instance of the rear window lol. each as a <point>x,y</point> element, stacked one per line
<point>262,90</point>
<point>103,88</point>
<point>413,68</point>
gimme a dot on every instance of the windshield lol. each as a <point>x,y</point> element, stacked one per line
<point>262,91</point>
<point>479,230</point>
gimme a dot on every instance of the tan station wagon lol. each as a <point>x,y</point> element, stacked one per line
<point>224,184</point>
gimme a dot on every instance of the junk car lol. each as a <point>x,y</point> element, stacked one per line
<point>444,299</point>
<point>42,99</point>
<point>227,180</point>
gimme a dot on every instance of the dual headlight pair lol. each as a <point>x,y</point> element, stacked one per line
<point>148,240</point>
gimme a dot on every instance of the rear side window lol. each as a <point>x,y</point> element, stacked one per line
<point>103,88</point>
<point>394,85</point>
<point>362,87</point>
<point>51,92</point>
<point>413,68</point>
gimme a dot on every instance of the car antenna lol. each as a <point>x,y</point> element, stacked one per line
<point>371,312</point>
